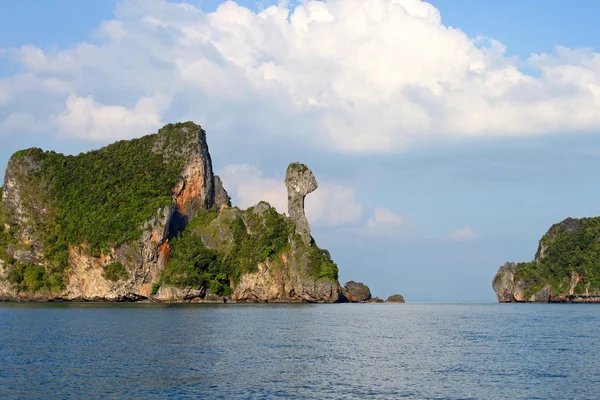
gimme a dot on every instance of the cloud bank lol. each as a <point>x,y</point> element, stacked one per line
<point>354,75</point>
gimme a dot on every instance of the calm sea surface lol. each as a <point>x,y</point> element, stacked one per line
<point>360,351</point>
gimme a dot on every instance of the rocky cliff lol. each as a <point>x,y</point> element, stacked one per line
<point>147,219</point>
<point>259,254</point>
<point>566,267</point>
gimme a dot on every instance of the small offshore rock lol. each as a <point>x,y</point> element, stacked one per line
<point>375,300</point>
<point>395,298</point>
<point>357,292</point>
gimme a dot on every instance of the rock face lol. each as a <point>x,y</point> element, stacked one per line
<point>356,292</point>
<point>27,203</point>
<point>564,270</point>
<point>395,298</point>
<point>222,199</point>
<point>299,181</point>
<point>375,300</point>
<point>274,257</point>
<point>511,290</point>
<point>285,282</point>
<point>290,275</point>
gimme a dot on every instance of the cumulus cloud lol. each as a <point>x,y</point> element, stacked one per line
<point>460,235</point>
<point>85,118</point>
<point>331,204</point>
<point>359,75</point>
<point>247,185</point>
<point>385,221</point>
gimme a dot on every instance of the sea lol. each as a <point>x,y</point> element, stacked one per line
<point>303,351</point>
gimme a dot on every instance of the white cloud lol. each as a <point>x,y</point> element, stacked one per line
<point>84,118</point>
<point>330,205</point>
<point>460,235</point>
<point>385,222</point>
<point>247,186</point>
<point>113,29</point>
<point>19,123</point>
<point>334,205</point>
<point>357,75</point>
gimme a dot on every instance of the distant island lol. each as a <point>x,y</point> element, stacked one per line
<point>566,267</point>
<point>147,220</point>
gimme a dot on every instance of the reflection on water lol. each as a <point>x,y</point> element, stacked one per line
<point>417,351</point>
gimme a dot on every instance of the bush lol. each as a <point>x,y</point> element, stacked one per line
<point>321,265</point>
<point>572,246</point>
<point>257,235</point>
<point>115,272</point>
<point>27,277</point>
<point>155,288</point>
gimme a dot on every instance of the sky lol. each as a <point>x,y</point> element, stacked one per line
<point>447,137</point>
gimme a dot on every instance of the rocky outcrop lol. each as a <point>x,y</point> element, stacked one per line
<point>395,298</point>
<point>504,284</point>
<point>356,292</point>
<point>170,294</point>
<point>375,300</point>
<point>290,276</point>
<point>511,290</point>
<point>25,206</point>
<point>222,199</point>
<point>285,281</point>
<point>299,181</point>
<point>274,257</point>
<point>28,204</point>
<point>564,270</point>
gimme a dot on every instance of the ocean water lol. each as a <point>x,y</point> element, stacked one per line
<point>345,351</point>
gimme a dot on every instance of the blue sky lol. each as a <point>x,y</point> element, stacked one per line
<point>440,156</point>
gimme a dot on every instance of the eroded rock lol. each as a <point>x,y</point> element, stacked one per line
<point>375,300</point>
<point>356,292</point>
<point>28,203</point>
<point>395,298</point>
<point>299,181</point>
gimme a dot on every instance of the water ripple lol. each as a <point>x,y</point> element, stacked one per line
<point>375,351</point>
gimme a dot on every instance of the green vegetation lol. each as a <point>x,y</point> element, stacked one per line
<point>100,198</point>
<point>570,247</point>
<point>190,263</point>
<point>296,166</point>
<point>33,278</point>
<point>6,235</point>
<point>257,235</point>
<point>155,288</point>
<point>115,272</point>
<point>320,264</point>
<point>260,235</point>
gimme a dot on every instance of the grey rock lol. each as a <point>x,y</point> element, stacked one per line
<point>375,300</point>
<point>356,292</point>
<point>510,291</point>
<point>299,181</point>
<point>222,199</point>
<point>504,283</point>
<point>175,294</point>
<point>395,298</point>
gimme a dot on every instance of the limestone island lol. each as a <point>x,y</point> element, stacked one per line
<point>566,267</point>
<point>147,220</point>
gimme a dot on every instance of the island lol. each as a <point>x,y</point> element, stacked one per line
<point>566,267</point>
<point>148,220</point>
